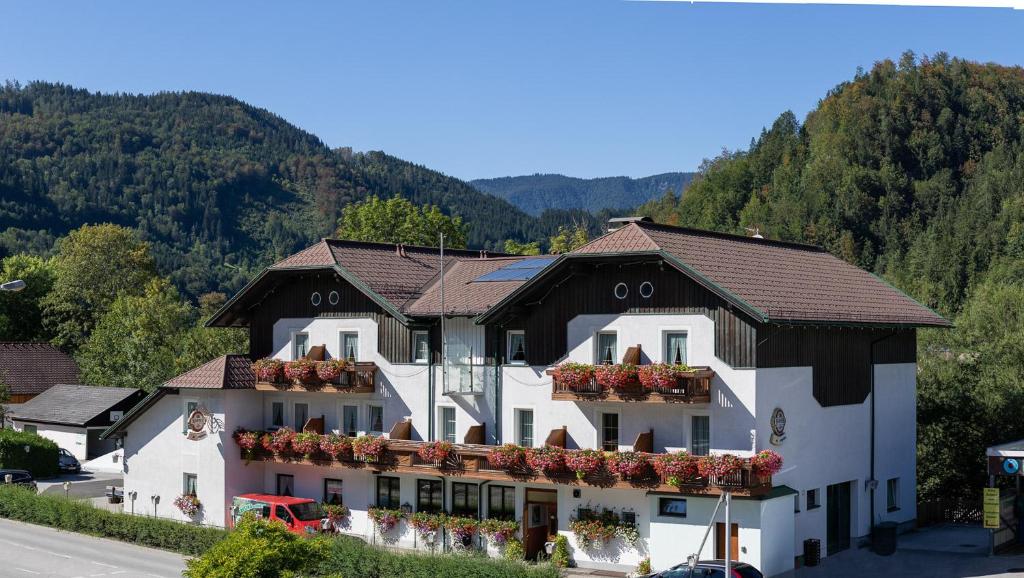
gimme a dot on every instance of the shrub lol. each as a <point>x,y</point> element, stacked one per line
<point>514,550</point>
<point>256,549</point>
<point>40,459</point>
<point>560,553</point>
<point>18,503</point>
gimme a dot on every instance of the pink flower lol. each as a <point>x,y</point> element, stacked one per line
<point>548,459</point>
<point>619,375</point>
<point>507,457</point>
<point>766,462</point>
<point>584,462</point>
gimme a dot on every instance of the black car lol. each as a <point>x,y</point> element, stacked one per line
<point>709,569</point>
<point>67,462</point>
<point>18,477</point>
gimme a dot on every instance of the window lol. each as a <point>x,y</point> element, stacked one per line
<point>189,487</point>
<point>332,491</point>
<point>675,348</point>
<point>796,503</point>
<point>301,415</point>
<point>376,417</point>
<point>607,347</point>
<point>700,435</point>
<point>420,347</point>
<point>277,414</point>
<point>429,496</point>
<point>350,345</point>
<point>350,420</point>
<point>524,427</point>
<point>610,432</point>
<point>892,494</point>
<point>448,424</point>
<point>388,492</point>
<point>29,428</point>
<point>283,514</point>
<point>300,345</point>
<point>517,347</point>
<point>501,502</point>
<point>672,507</point>
<point>190,406</point>
<point>285,485</point>
<point>812,499</point>
<point>465,499</point>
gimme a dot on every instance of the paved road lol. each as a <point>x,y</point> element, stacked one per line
<point>83,485</point>
<point>29,551</point>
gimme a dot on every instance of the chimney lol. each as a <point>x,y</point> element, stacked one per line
<point>616,223</point>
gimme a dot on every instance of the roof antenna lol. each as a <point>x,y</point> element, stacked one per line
<point>756,232</point>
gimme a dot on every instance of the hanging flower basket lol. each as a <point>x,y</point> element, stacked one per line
<point>584,462</point>
<point>718,466</point>
<point>675,468</point>
<point>268,370</point>
<point>279,442</point>
<point>306,444</point>
<point>629,465</point>
<point>302,370</point>
<point>461,528</point>
<point>384,519</point>
<point>547,459</point>
<point>617,376</point>
<point>594,533</point>
<point>247,440</point>
<point>188,504</point>
<point>336,446</point>
<point>507,457</point>
<point>368,448</point>
<point>574,375</point>
<point>435,452</point>
<point>500,531</point>
<point>766,463</point>
<point>330,370</point>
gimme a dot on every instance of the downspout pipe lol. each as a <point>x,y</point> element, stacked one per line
<point>480,510</point>
<point>874,482</point>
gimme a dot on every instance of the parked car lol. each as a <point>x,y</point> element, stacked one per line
<point>19,478</point>
<point>68,462</point>
<point>708,569</point>
<point>301,515</point>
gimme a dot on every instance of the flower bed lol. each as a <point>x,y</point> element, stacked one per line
<point>547,459</point>
<point>330,370</point>
<point>500,531</point>
<point>584,462</point>
<point>188,504</point>
<point>507,457</point>
<point>435,452</point>
<point>336,446</point>
<point>766,463</point>
<point>368,448</point>
<point>300,369</point>
<point>675,468</point>
<point>384,519</point>
<point>573,375</point>
<point>617,376</point>
<point>267,369</point>
<point>629,465</point>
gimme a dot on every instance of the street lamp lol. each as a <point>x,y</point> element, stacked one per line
<point>13,286</point>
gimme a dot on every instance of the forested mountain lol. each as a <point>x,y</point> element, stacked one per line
<point>218,187</point>
<point>537,193</point>
<point>914,170</point>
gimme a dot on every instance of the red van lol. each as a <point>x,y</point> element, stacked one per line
<point>301,515</point>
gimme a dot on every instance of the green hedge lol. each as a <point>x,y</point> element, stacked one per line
<point>41,458</point>
<point>21,504</point>
<point>353,558</point>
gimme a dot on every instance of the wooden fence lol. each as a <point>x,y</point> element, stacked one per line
<point>949,511</point>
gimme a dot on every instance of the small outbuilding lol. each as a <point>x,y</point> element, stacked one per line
<point>74,416</point>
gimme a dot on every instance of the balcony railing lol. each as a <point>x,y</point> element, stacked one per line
<point>469,379</point>
<point>357,377</point>
<point>689,387</point>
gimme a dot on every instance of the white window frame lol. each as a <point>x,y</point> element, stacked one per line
<point>599,429</point>
<point>664,343</point>
<point>597,346</point>
<point>516,424</point>
<point>369,418</point>
<point>359,344</point>
<point>508,346</point>
<point>415,351</point>
<point>184,482</point>
<point>294,345</point>
<point>455,419</point>
<point>689,431</point>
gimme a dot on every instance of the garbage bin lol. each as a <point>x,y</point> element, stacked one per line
<point>812,552</point>
<point>883,538</point>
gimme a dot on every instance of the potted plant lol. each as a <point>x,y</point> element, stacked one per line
<point>507,457</point>
<point>573,376</point>
<point>547,459</point>
<point>247,440</point>
<point>461,529</point>
<point>621,376</point>
<point>300,370</point>
<point>280,442</point>
<point>584,462</point>
<point>629,465</point>
<point>336,446</point>
<point>715,467</point>
<point>368,448</point>
<point>435,452</point>
<point>384,519</point>
<point>500,531</point>
<point>329,371</point>
<point>188,504</point>
<point>766,463</point>
<point>675,468</point>
<point>268,369</point>
<point>426,524</point>
<point>306,444</point>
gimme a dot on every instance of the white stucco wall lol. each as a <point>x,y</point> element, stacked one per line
<point>70,438</point>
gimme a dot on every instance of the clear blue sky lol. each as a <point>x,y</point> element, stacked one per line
<point>482,88</point>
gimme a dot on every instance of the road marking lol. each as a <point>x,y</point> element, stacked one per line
<point>102,564</point>
<point>27,570</point>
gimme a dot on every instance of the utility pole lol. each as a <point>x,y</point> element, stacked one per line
<point>728,536</point>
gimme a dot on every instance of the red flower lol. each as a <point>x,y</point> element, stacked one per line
<point>548,459</point>
<point>435,452</point>
<point>676,468</point>
<point>584,462</point>
<point>718,466</point>
<point>573,375</point>
<point>268,370</point>
<point>629,464</point>
<point>336,446</point>
<point>766,462</point>
<point>507,457</point>
<point>619,375</point>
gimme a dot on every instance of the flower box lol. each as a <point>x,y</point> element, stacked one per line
<point>584,462</point>
<point>268,370</point>
<point>621,376</point>
<point>676,468</point>
<point>279,442</point>
<point>435,452</point>
<point>336,446</point>
<point>766,463</point>
<point>188,505</point>
<point>629,465</point>
<point>574,376</point>
<point>384,519</point>
<point>306,444</point>
<point>507,457</point>
<point>330,371</point>
<point>300,370</point>
<point>368,448</point>
<point>547,459</point>
<point>500,531</point>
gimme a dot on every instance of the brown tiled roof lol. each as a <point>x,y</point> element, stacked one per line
<point>785,282</point>
<point>225,372</point>
<point>461,295</point>
<point>32,368</point>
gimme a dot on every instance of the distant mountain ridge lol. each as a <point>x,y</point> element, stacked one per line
<point>536,193</point>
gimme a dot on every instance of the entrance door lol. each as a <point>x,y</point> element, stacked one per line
<point>734,541</point>
<point>838,525</point>
<point>540,520</point>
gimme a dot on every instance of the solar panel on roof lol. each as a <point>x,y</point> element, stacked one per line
<point>518,271</point>
<point>531,263</point>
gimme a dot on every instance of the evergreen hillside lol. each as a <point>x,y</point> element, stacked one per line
<point>218,187</point>
<point>538,193</point>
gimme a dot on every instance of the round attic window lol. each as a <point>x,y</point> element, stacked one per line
<point>333,298</point>
<point>646,289</point>
<point>621,291</point>
<point>315,299</point>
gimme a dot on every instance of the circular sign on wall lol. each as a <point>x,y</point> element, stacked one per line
<point>197,425</point>
<point>778,423</point>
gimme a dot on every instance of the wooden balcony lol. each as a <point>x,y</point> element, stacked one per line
<point>357,377</point>
<point>690,388</point>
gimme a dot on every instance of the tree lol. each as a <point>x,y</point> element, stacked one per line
<point>513,247</point>
<point>569,239</point>
<point>21,313</point>
<point>397,220</point>
<point>94,265</point>
<point>201,344</point>
<point>136,342</point>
